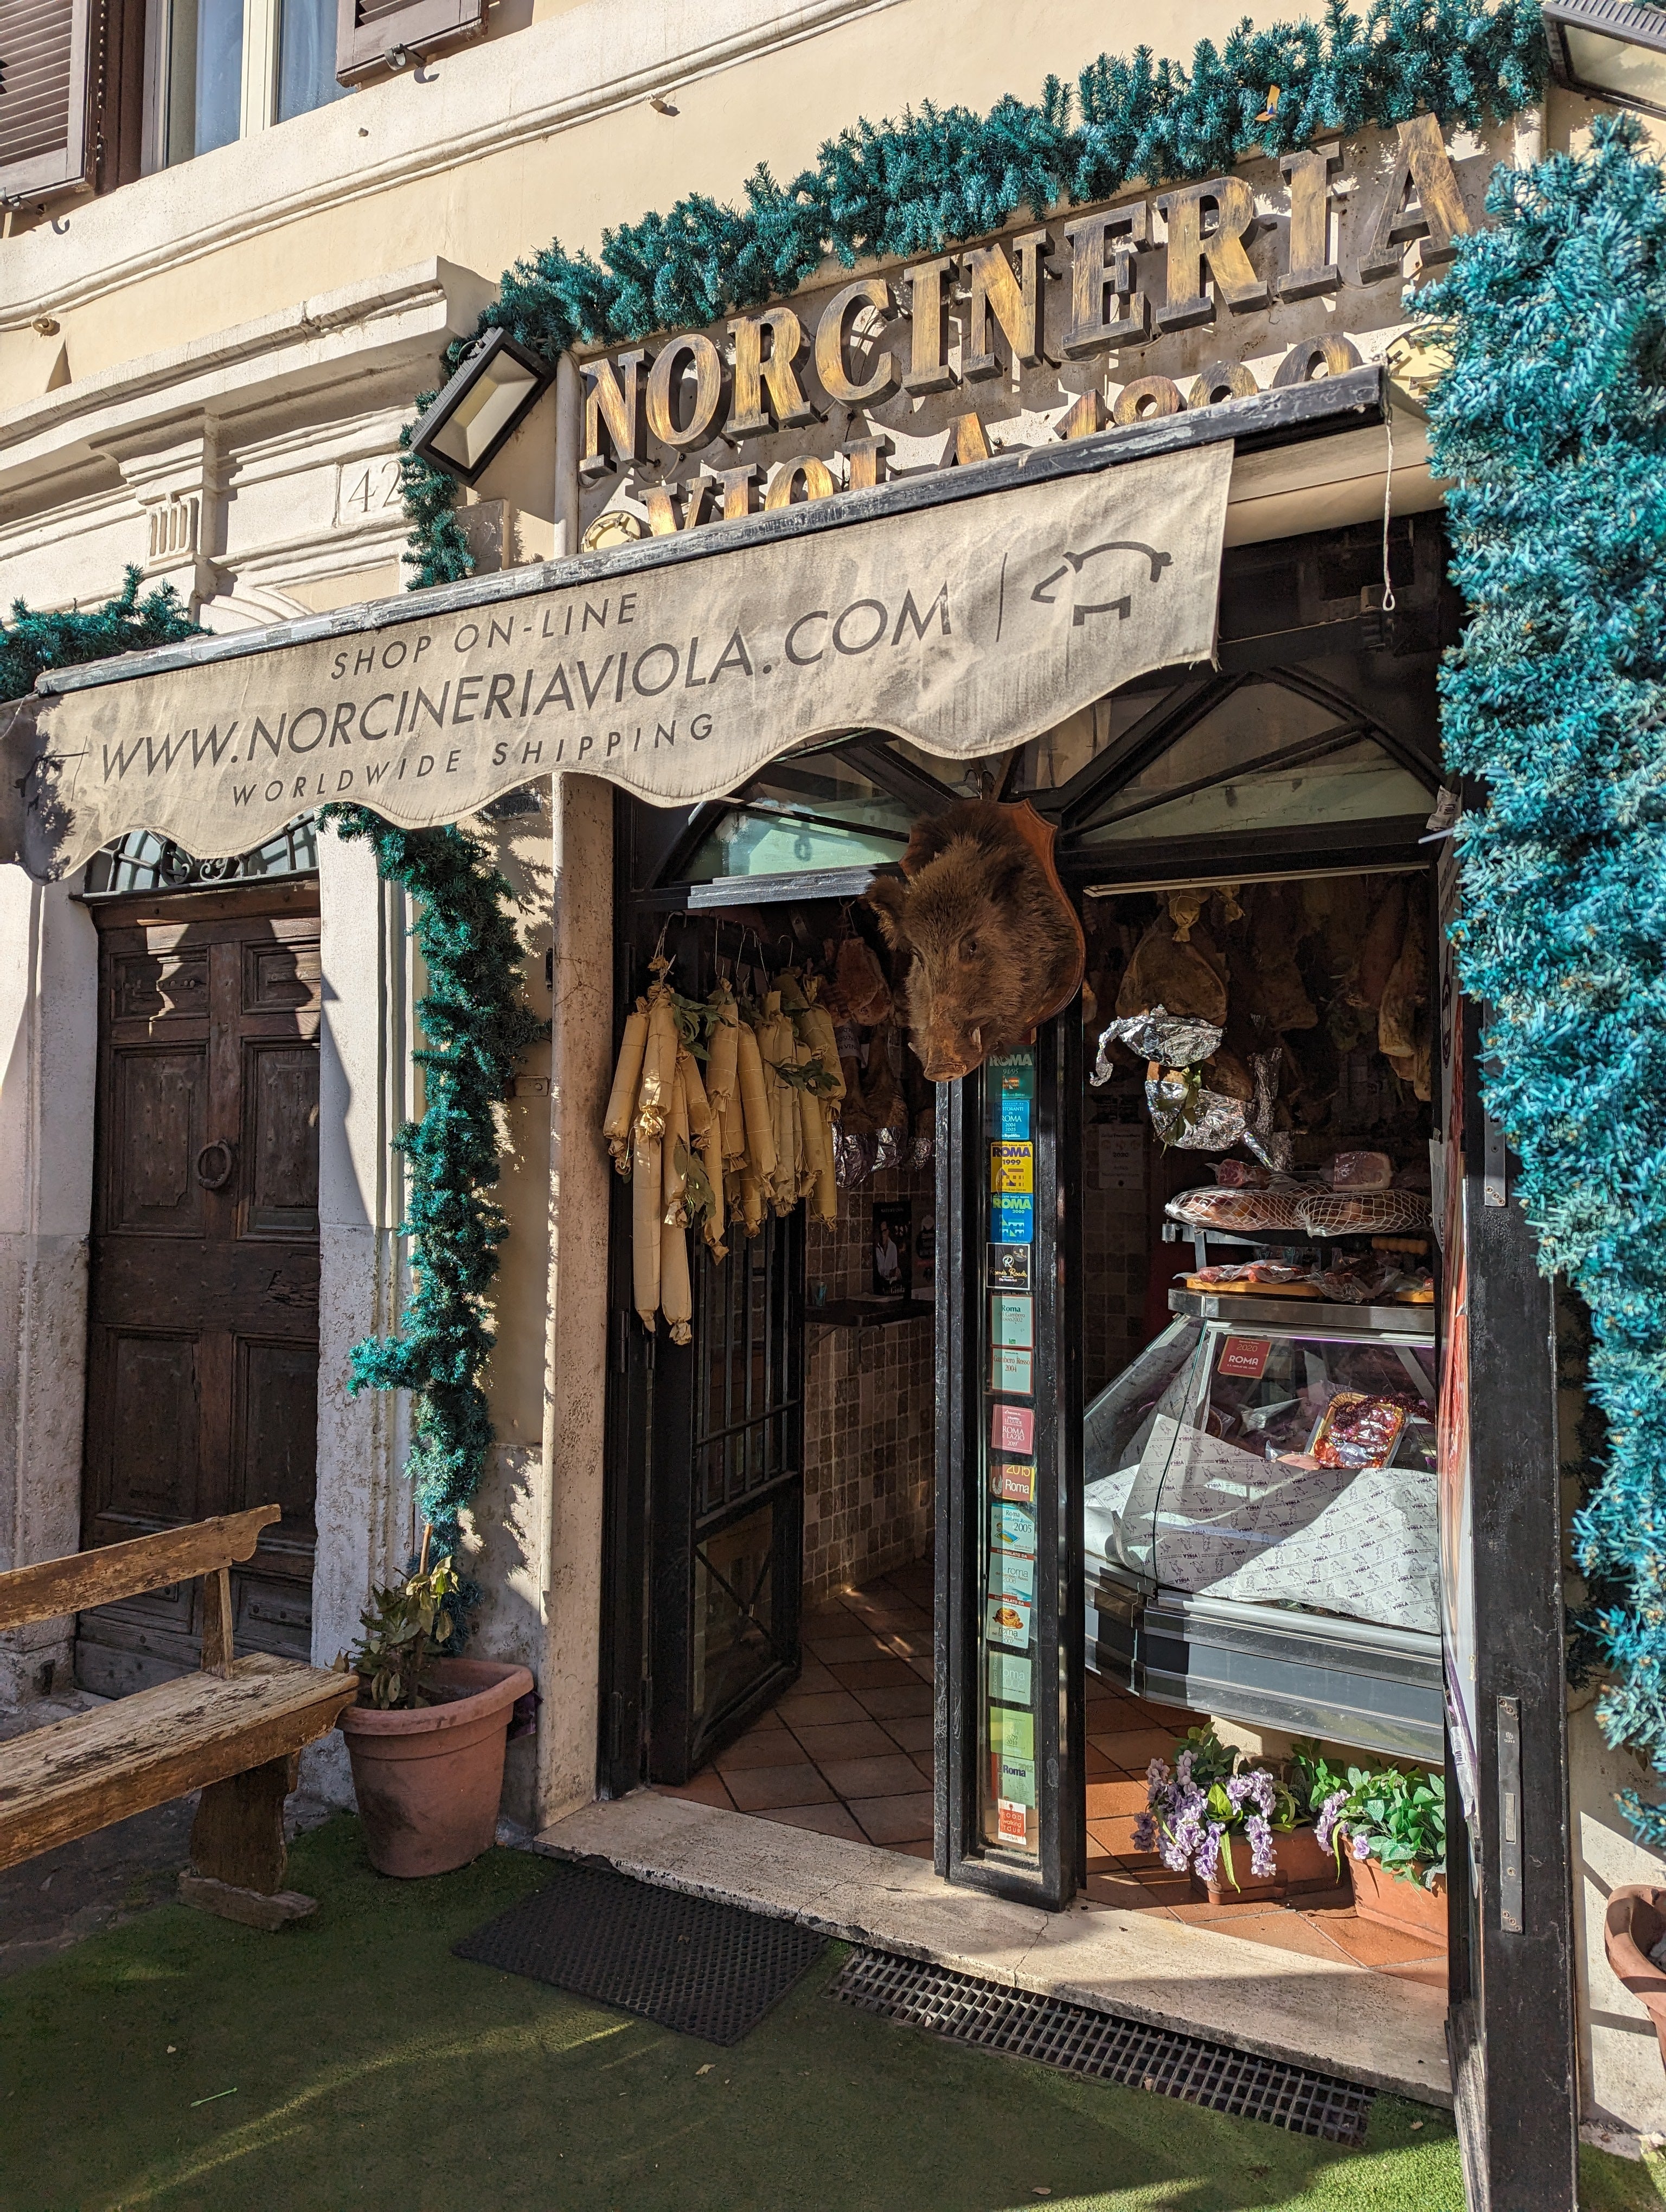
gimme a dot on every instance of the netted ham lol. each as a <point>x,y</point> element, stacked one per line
<point>1187,978</point>
<point>1360,1172</point>
<point>1360,1213</point>
<point>1241,1212</point>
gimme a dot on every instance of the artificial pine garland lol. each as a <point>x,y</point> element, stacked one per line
<point>127,623</point>
<point>477,1026</point>
<point>1551,421</point>
<point>944,174</point>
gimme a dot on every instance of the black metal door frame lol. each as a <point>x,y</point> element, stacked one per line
<point>1511,2022</point>
<point>679,1478</point>
<point>964,1491</point>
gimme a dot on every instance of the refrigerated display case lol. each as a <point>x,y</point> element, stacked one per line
<point>1260,1534</point>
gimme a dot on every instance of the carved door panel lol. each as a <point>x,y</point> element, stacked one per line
<point>202,1392</point>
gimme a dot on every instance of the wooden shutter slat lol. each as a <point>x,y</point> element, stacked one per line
<point>365,29</point>
<point>45,142</point>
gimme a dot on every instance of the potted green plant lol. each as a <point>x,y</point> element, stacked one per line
<point>1393,1823</point>
<point>427,1734</point>
<point>1215,1796</point>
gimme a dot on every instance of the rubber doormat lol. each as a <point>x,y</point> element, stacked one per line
<point>701,1968</point>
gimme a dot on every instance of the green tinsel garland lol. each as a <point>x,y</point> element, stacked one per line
<point>944,174</point>
<point>477,1026</point>
<point>1553,422</point>
<point>127,623</point>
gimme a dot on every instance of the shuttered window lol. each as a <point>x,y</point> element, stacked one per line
<point>45,142</point>
<point>367,29</point>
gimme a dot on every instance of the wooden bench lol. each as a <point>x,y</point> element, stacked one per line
<point>235,1730</point>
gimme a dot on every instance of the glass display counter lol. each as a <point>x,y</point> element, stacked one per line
<point>1260,1536</point>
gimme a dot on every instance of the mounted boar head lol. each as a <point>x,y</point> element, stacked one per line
<point>987,943</point>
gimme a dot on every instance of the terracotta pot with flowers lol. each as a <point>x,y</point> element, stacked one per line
<point>427,1735</point>
<point>1388,1828</point>
<point>1241,1828</point>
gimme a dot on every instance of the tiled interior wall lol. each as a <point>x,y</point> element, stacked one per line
<point>869,1404</point>
<point>1116,1143</point>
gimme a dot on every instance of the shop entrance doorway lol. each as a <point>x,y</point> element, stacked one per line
<point>202,1394</point>
<point>771,1484</point>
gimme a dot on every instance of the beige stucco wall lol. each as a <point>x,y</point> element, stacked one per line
<point>238,339</point>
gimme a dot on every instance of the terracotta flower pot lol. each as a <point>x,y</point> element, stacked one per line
<point>1633,1923</point>
<point>1301,1866</point>
<point>429,1781</point>
<point>1398,1901</point>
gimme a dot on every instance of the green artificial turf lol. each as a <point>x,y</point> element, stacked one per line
<point>367,2066</point>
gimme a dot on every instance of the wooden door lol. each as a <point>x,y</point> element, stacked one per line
<point>202,1389</point>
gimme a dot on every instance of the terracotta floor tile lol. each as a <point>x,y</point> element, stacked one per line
<point>920,1848</point>
<point>774,1747</point>
<point>887,1612</point>
<point>846,1739</point>
<point>812,1677</point>
<point>925,1668</point>
<point>1281,1931</point>
<point>871,1778</point>
<point>705,1789</point>
<point>910,1643</point>
<point>894,1819</point>
<point>1134,1749</point>
<point>753,1788</point>
<point>1098,1768</point>
<point>819,1708</point>
<point>1169,1718</point>
<point>872,1673</point>
<point>1374,1945</point>
<point>826,1819</point>
<point>1123,1891</point>
<point>912,1731</point>
<point>908,1698</point>
<point>1200,1908</point>
<point>1114,1800</point>
<point>841,1650</point>
<point>771,1719</point>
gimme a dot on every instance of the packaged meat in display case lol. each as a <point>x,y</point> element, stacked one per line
<point>1259,1525</point>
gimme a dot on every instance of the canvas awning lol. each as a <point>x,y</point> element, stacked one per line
<point>968,611</point>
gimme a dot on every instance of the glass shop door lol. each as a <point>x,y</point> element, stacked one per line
<point>1010,1813</point>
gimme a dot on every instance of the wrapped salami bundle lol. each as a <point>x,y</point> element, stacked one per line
<point>1242,1175</point>
<point>1243,1212</point>
<point>1175,1040</point>
<point>1359,1213</point>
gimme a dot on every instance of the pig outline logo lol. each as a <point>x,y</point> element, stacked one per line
<point>1074,563</point>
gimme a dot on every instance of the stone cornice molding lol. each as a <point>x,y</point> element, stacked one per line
<point>393,319</point>
<point>598,57</point>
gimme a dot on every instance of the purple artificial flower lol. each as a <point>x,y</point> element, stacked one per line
<point>1145,1832</point>
<point>1360,1846</point>
<point>1208,1851</point>
<point>1325,1826</point>
<point>1261,1861</point>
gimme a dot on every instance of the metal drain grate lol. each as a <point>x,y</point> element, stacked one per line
<point>1103,2046</point>
<point>702,1968</point>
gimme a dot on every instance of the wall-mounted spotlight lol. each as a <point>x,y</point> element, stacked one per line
<point>497,381</point>
<point>1608,51</point>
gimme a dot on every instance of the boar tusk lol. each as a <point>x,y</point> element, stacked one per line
<point>977,1040</point>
